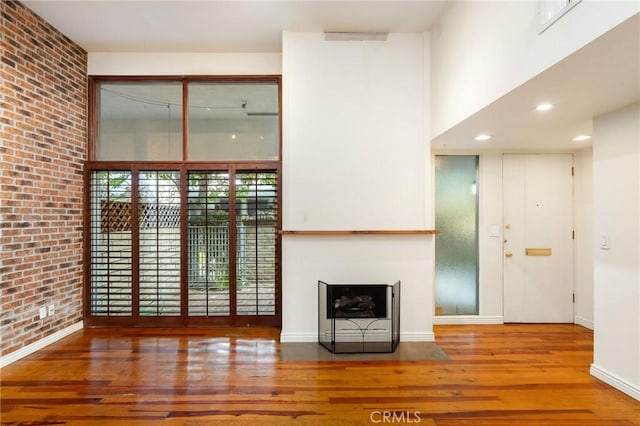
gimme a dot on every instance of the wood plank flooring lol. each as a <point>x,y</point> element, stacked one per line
<point>496,375</point>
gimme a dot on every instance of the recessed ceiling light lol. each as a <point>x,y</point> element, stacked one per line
<point>545,106</point>
<point>581,138</point>
<point>482,137</point>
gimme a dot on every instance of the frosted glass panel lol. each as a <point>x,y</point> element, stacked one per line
<point>233,121</point>
<point>457,243</point>
<point>139,121</point>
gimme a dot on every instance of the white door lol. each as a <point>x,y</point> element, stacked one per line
<point>538,238</point>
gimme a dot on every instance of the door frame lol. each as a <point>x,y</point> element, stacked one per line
<point>93,164</point>
<point>182,320</point>
<point>505,223</point>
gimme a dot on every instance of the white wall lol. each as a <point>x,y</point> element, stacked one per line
<point>121,63</point>
<point>482,50</point>
<point>354,151</point>
<point>616,201</point>
<point>490,288</point>
<point>370,259</point>
<point>355,156</point>
<point>583,225</point>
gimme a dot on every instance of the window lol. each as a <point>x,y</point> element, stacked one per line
<point>158,224</point>
<point>233,121</point>
<point>227,121</point>
<point>456,262</point>
<point>183,202</point>
<point>256,227</point>
<point>208,243</point>
<point>139,121</point>
<point>110,234</point>
<point>550,11</point>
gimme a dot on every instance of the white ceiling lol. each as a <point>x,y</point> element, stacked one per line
<point>602,76</point>
<point>223,26</point>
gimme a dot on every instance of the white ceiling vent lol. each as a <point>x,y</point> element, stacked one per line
<point>354,36</point>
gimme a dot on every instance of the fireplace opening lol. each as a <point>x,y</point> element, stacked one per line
<point>359,317</point>
<point>360,301</point>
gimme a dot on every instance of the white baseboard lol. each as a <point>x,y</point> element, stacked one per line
<point>467,319</point>
<point>299,337</point>
<point>36,346</point>
<point>417,336</point>
<point>406,336</point>
<point>584,322</point>
<point>617,382</point>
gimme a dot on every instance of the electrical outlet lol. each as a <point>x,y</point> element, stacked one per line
<point>43,312</point>
<point>52,309</point>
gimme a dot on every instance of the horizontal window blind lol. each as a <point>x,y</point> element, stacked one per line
<point>110,228</point>
<point>256,226</point>
<point>159,243</point>
<point>208,243</point>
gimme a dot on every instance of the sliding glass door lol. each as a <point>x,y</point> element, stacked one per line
<point>158,241</point>
<point>208,244</point>
<point>182,206</point>
<point>184,247</point>
<point>182,201</point>
<point>256,223</point>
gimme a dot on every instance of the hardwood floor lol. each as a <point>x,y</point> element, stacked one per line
<point>496,375</point>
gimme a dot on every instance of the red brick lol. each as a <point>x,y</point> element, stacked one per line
<point>44,130</point>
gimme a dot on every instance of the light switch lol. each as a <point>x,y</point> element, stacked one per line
<point>604,242</point>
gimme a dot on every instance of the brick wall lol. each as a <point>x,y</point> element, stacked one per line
<point>43,143</point>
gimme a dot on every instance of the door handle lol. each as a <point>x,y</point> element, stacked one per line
<point>508,254</point>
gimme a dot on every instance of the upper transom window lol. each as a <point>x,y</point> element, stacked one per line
<point>222,121</point>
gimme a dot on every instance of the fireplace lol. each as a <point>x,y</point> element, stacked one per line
<point>359,317</point>
<point>357,301</point>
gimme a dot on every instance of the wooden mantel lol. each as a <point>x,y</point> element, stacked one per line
<point>361,232</point>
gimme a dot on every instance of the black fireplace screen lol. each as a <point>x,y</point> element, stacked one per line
<point>359,317</point>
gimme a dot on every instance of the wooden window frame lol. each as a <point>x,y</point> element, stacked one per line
<point>94,81</point>
<point>183,166</point>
